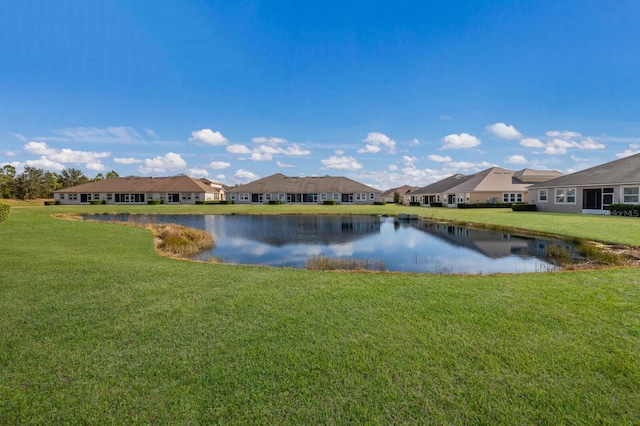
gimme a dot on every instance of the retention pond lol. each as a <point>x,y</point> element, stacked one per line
<point>388,243</point>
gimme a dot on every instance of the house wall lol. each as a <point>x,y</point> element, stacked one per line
<point>110,198</point>
<point>551,204</point>
<point>247,198</point>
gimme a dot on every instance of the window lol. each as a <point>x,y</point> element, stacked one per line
<point>267,196</point>
<point>232,196</point>
<point>512,197</point>
<point>323,196</point>
<point>336,196</point>
<point>96,196</point>
<point>566,196</point>
<point>73,197</point>
<point>372,196</point>
<point>630,195</point>
<point>459,198</point>
<point>243,197</point>
<point>542,195</point>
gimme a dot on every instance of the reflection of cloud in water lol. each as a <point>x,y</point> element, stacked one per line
<point>259,249</point>
<point>307,251</point>
<point>342,249</point>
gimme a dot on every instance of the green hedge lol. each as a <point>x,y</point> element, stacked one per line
<point>274,201</point>
<point>435,204</point>
<point>51,203</point>
<point>96,202</point>
<point>4,211</point>
<point>485,206</point>
<point>330,202</point>
<point>524,207</point>
<point>414,203</point>
<point>632,210</point>
<point>156,202</point>
<point>379,203</point>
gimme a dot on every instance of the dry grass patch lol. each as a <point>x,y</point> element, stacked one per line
<point>180,241</point>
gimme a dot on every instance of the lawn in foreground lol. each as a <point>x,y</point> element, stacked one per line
<point>96,328</point>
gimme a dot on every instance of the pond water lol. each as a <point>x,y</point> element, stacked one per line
<point>402,245</point>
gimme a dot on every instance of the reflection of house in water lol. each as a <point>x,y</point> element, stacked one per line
<point>280,230</point>
<point>491,244</point>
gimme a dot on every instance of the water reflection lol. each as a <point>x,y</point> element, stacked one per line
<point>410,246</point>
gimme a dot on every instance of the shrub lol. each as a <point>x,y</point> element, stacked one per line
<point>274,201</point>
<point>156,202</point>
<point>50,203</point>
<point>485,206</point>
<point>96,202</point>
<point>524,207</point>
<point>226,201</point>
<point>436,204</point>
<point>330,202</point>
<point>414,203</point>
<point>632,210</point>
<point>4,211</point>
<point>379,203</point>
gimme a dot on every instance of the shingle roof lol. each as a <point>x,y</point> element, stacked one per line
<point>534,176</point>
<point>137,184</point>
<point>494,179</point>
<point>443,185</point>
<point>403,190</point>
<point>285,184</point>
<point>622,171</point>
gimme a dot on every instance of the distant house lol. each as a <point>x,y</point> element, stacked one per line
<point>590,191</point>
<point>141,190</point>
<point>405,192</point>
<point>303,190</point>
<point>493,185</point>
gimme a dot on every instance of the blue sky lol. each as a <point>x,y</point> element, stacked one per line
<point>384,92</point>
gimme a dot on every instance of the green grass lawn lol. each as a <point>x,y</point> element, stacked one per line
<point>96,328</point>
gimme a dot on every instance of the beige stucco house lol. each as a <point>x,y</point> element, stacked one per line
<point>590,191</point>
<point>303,190</point>
<point>140,190</point>
<point>493,185</point>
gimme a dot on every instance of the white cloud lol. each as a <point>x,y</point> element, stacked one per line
<point>532,143</point>
<point>169,162</point>
<point>39,148</point>
<point>283,165</point>
<point>261,156</point>
<point>245,175</point>
<point>295,150</point>
<point>503,131</point>
<point>439,158</point>
<point>221,177</point>
<point>270,140</point>
<point>392,167</point>
<point>516,159</point>
<point>198,173</point>
<point>414,142</point>
<point>10,154</point>
<point>369,149</point>
<point>339,151</point>
<point>121,134</point>
<point>96,166</point>
<point>129,160</point>
<point>578,159</point>
<point>219,165</point>
<point>44,163</point>
<point>150,132</point>
<point>589,143</point>
<point>374,142</point>
<point>466,166</point>
<point>409,161</point>
<point>208,136</point>
<point>66,155</point>
<point>555,150</point>
<point>461,141</point>
<point>634,148</point>
<point>562,135</point>
<point>341,163</point>
<point>238,149</point>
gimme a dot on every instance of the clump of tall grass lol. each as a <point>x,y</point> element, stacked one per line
<point>558,255</point>
<point>326,263</point>
<point>599,253</point>
<point>180,241</point>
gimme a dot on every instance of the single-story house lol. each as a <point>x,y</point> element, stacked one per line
<point>405,192</point>
<point>303,190</point>
<point>590,191</point>
<point>493,185</point>
<point>140,190</point>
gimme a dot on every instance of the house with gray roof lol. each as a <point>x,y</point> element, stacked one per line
<point>140,190</point>
<point>493,185</point>
<point>405,192</point>
<point>303,190</point>
<point>590,191</point>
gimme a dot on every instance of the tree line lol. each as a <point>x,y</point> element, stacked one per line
<point>38,183</point>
